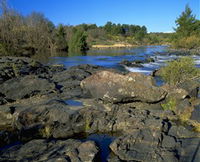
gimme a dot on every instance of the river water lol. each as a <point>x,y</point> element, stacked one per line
<point>112,57</point>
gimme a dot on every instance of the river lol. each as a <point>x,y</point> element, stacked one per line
<point>111,58</point>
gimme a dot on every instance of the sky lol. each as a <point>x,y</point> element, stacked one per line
<point>156,15</point>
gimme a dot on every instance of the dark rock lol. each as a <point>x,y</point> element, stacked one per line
<point>55,120</point>
<point>19,88</point>
<point>131,63</point>
<point>181,131</point>
<point>191,86</point>
<point>136,63</point>
<point>68,81</point>
<point>196,114</point>
<point>117,88</point>
<point>144,145</point>
<point>11,67</point>
<point>190,150</point>
<point>42,150</point>
<point>7,137</point>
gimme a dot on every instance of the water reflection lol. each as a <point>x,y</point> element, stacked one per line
<point>111,58</point>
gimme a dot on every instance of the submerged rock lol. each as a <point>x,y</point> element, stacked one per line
<point>136,63</point>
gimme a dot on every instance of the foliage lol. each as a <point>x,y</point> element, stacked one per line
<point>187,31</point>
<point>24,35</point>
<point>87,124</point>
<point>179,70</point>
<point>186,23</point>
<point>124,29</point>
<point>169,105</point>
<point>60,38</point>
<point>78,41</point>
<point>46,131</point>
<point>190,42</point>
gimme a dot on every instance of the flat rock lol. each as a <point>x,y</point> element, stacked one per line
<point>58,150</point>
<point>25,87</point>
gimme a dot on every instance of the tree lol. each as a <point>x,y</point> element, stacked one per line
<point>60,38</point>
<point>186,23</point>
<point>187,31</point>
<point>108,27</point>
<point>78,41</point>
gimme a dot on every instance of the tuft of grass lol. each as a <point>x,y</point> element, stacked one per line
<point>16,69</point>
<point>46,131</point>
<point>87,125</point>
<point>169,105</point>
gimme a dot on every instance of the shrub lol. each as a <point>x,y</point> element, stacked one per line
<point>188,42</point>
<point>179,70</point>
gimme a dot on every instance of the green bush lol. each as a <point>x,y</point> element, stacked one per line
<point>188,42</point>
<point>179,70</point>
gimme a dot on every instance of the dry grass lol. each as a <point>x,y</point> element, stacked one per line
<point>117,45</point>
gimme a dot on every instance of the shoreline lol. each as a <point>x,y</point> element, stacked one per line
<point>116,45</point>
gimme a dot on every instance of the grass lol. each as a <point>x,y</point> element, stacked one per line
<point>169,105</point>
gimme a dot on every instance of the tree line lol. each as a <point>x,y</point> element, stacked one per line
<point>34,34</point>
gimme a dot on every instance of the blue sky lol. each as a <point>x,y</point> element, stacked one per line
<point>156,15</point>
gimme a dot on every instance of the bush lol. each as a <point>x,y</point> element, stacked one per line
<point>188,42</point>
<point>179,70</point>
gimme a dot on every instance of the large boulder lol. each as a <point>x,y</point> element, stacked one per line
<point>118,88</point>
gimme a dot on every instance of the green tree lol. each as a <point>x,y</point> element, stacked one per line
<point>60,38</point>
<point>187,31</point>
<point>78,41</point>
<point>186,23</point>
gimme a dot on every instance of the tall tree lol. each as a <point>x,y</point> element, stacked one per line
<point>60,38</point>
<point>186,23</point>
<point>78,41</point>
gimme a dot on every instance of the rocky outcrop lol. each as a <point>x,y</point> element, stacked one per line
<point>148,123</point>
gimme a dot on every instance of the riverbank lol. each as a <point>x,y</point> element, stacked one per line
<point>116,45</point>
<point>185,51</point>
